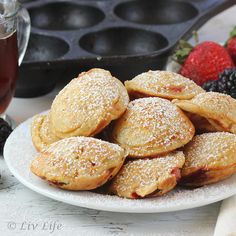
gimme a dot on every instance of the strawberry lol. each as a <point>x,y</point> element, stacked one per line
<point>203,62</point>
<point>231,45</point>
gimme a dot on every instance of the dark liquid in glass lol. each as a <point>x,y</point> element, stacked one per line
<point>8,69</point>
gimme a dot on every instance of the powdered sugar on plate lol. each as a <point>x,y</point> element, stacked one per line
<point>19,152</point>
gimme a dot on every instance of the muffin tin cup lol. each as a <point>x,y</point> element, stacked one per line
<point>126,37</point>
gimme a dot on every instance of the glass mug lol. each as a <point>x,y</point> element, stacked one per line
<point>14,36</point>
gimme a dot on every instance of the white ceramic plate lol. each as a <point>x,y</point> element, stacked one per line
<point>19,152</point>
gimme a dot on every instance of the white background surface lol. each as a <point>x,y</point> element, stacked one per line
<point>23,212</point>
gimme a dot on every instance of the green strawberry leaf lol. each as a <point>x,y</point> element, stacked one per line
<point>182,51</point>
<point>233,32</point>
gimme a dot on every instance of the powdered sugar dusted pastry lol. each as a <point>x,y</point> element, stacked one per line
<point>41,132</point>
<point>152,126</point>
<point>79,163</point>
<point>219,109</point>
<point>163,84</point>
<point>210,158</point>
<point>148,177</point>
<point>88,104</point>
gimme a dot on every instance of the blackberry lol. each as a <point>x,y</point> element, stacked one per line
<point>211,86</point>
<point>5,131</point>
<point>225,84</point>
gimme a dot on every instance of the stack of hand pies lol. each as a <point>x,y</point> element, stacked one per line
<point>171,132</point>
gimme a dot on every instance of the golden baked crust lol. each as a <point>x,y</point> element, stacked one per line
<point>152,126</point>
<point>219,109</point>
<point>79,163</point>
<point>148,177</point>
<point>210,157</point>
<point>163,84</point>
<point>41,132</point>
<point>201,124</point>
<point>88,104</point>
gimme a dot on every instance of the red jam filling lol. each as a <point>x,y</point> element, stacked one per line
<point>135,195</point>
<point>176,172</point>
<point>176,89</point>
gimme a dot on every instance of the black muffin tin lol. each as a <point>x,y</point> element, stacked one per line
<point>123,36</point>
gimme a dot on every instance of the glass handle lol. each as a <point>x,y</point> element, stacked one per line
<point>23,32</point>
